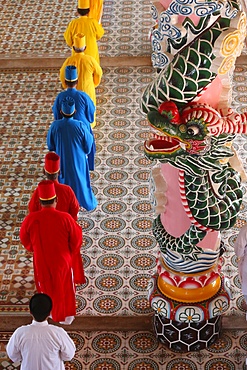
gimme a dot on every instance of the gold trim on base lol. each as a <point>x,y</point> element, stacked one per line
<point>189,295</point>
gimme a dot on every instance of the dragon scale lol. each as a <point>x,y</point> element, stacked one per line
<point>216,211</point>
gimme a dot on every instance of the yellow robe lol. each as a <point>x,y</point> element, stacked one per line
<point>96,9</point>
<point>89,75</point>
<point>91,29</point>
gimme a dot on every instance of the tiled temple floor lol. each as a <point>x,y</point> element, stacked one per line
<point>119,250</point>
<point>36,28</point>
<point>141,351</point>
<point>117,235</point>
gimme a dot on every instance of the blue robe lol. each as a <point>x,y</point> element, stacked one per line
<point>85,110</point>
<point>72,141</point>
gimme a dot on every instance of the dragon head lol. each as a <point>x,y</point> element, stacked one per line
<point>189,130</point>
<point>174,134</point>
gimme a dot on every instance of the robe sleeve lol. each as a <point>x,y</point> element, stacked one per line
<point>75,243</point>
<point>97,74</point>
<point>96,9</point>
<point>87,105</point>
<point>25,236</point>
<point>50,141</point>
<point>91,153</point>
<point>75,236</point>
<point>62,74</point>
<point>34,203</point>
<point>56,109</point>
<point>67,350</point>
<point>99,30</point>
<point>88,141</point>
<point>74,205</point>
<point>68,36</point>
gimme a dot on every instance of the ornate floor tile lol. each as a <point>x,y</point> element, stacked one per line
<point>119,250</point>
<point>122,223</point>
<point>36,29</point>
<point>141,350</point>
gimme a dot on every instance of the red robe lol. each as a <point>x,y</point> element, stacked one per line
<point>66,200</point>
<point>55,240</point>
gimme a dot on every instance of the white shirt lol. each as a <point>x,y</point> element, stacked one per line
<point>40,346</point>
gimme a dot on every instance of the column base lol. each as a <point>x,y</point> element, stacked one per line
<point>187,337</point>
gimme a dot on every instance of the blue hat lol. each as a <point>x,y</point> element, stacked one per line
<point>71,74</point>
<point>68,106</point>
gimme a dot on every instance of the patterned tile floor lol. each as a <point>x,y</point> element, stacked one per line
<point>117,235</point>
<point>36,28</point>
<point>141,351</point>
<point>119,250</point>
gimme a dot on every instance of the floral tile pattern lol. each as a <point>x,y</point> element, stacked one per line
<point>140,350</point>
<point>117,235</point>
<point>119,250</point>
<point>32,28</point>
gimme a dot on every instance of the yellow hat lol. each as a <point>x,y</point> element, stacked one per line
<point>83,4</point>
<point>79,41</point>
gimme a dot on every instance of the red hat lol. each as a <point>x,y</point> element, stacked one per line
<point>46,190</point>
<point>52,163</point>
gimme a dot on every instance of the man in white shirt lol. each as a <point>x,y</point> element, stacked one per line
<point>40,346</point>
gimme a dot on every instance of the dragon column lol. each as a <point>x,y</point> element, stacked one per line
<point>195,184</point>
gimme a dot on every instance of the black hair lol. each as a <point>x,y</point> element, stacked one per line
<point>40,306</point>
<point>83,11</point>
<point>79,50</point>
<point>71,83</point>
<point>51,176</point>
<point>47,202</point>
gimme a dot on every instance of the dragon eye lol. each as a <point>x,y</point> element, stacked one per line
<point>193,130</point>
